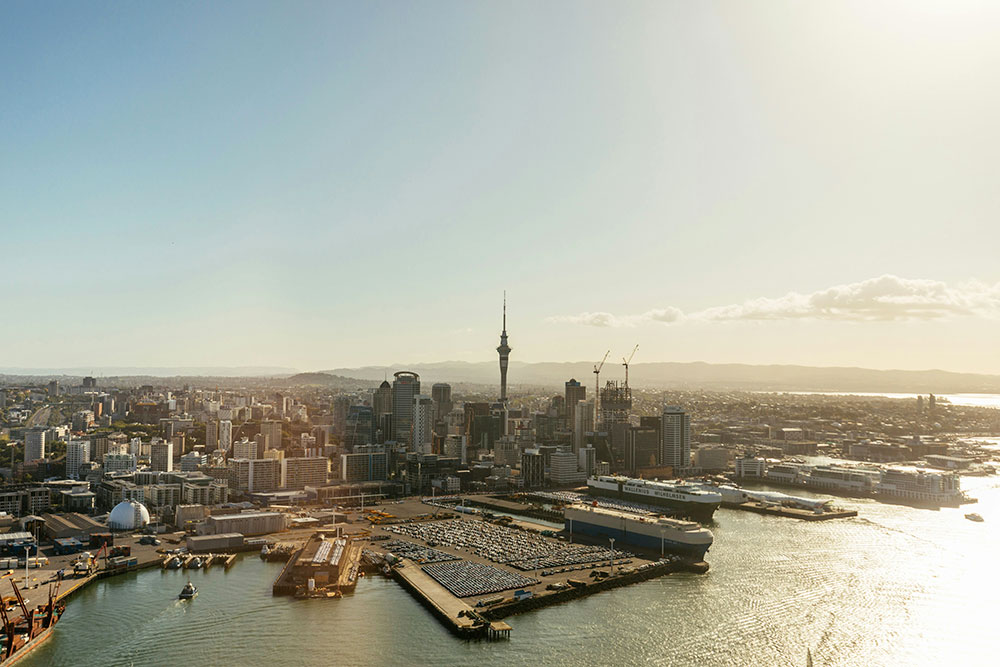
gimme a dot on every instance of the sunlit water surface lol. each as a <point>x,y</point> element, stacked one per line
<point>895,586</point>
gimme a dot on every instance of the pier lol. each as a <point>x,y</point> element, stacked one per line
<point>771,509</point>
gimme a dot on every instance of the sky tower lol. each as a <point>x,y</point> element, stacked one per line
<point>504,352</point>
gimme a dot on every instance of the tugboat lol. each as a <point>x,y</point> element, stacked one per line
<point>22,634</point>
<point>972,516</point>
<point>189,592</point>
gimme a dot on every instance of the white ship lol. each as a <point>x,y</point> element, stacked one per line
<point>656,533</point>
<point>688,500</point>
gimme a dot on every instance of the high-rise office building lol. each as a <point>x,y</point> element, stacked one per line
<point>504,351</point>
<point>575,392</point>
<point>225,434</point>
<point>405,387</point>
<point>263,444</point>
<point>77,453</point>
<point>587,457</point>
<point>382,399</point>
<point>423,423</point>
<point>370,465</point>
<point>583,422</point>
<point>675,437</point>
<point>272,429</point>
<point>532,469</point>
<point>161,456</point>
<point>360,427</point>
<point>441,394</point>
<point>211,435</point>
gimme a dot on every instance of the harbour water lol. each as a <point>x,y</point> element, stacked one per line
<point>896,586</point>
<point>969,400</point>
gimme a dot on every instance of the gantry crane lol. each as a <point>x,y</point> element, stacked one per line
<point>597,387</point>
<point>625,363</point>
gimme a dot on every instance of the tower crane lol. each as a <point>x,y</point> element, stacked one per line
<point>625,362</point>
<point>597,386</point>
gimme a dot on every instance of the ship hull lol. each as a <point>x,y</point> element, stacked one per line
<point>624,534</point>
<point>696,511</point>
<point>29,647</point>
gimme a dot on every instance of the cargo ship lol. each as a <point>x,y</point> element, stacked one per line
<point>23,634</point>
<point>686,500</point>
<point>652,532</point>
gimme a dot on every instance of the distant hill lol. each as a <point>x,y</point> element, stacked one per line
<point>322,379</point>
<point>674,375</point>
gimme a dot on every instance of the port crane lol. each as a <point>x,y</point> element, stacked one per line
<point>625,362</point>
<point>597,387</point>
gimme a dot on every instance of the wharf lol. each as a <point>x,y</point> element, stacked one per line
<point>461,619</point>
<point>793,512</point>
<point>511,507</point>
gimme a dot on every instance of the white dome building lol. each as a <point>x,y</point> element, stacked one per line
<point>128,515</point>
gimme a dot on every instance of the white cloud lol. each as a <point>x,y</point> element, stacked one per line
<point>885,298</point>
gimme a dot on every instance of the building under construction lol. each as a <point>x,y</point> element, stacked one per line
<point>616,404</point>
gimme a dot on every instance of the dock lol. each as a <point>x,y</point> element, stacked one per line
<point>461,619</point>
<point>793,512</point>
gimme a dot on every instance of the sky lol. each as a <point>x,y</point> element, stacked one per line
<point>334,184</point>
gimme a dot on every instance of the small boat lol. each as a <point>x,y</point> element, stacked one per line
<point>174,563</point>
<point>196,563</point>
<point>188,592</point>
<point>972,516</point>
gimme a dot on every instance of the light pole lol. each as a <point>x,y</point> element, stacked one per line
<point>661,544</point>
<point>612,567</point>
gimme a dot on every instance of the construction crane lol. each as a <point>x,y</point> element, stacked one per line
<point>597,386</point>
<point>625,363</point>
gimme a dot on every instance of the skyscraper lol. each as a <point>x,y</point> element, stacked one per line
<point>405,387</point>
<point>575,392</point>
<point>272,429</point>
<point>225,434</point>
<point>423,423</point>
<point>441,394</point>
<point>675,437</point>
<point>211,435</point>
<point>382,399</point>
<point>504,351</point>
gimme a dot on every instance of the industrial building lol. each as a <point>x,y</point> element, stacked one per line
<point>250,523</point>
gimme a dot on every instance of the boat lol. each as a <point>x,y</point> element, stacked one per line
<point>22,634</point>
<point>264,551</point>
<point>196,563</point>
<point>655,533</point>
<point>687,500</point>
<point>972,516</point>
<point>174,563</point>
<point>189,592</point>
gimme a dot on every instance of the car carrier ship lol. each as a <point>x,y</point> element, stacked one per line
<point>685,500</point>
<point>649,531</point>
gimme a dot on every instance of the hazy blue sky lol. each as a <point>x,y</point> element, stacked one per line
<point>328,184</point>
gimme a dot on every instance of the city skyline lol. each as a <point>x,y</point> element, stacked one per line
<point>243,184</point>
